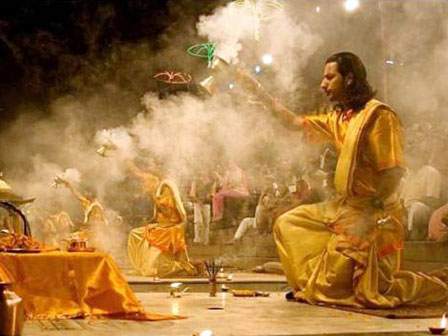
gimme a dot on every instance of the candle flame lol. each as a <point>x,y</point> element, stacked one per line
<point>267,59</point>
<point>206,333</point>
<point>443,322</point>
<point>176,284</point>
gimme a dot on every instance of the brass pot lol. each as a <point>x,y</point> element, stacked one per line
<point>78,244</point>
<point>11,311</point>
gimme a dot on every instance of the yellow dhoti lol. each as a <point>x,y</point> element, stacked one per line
<point>322,265</point>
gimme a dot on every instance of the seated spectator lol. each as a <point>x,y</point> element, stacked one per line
<point>232,185</point>
<point>438,225</point>
<point>421,196</point>
<point>262,222</point>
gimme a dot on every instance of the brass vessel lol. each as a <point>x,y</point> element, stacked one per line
<point>222,71</point>
<point>11,311</point>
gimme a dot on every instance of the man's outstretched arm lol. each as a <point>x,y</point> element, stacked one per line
<point>289,118</point>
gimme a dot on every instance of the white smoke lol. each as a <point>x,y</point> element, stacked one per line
<point>71,175</point>
<point>186,133</point>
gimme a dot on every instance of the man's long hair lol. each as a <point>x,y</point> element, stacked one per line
<point>359,91</point>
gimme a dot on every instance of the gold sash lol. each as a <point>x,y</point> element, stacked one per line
<point>348,157</point>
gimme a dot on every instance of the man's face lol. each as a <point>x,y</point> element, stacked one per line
<point>333,83</point>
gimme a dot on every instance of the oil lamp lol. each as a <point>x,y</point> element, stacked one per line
<point>441,329</point>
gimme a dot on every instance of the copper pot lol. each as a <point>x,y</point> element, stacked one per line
<point>11,311</point>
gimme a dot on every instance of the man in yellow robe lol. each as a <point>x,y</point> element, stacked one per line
<point>159,248</point>
<point>347,251</point>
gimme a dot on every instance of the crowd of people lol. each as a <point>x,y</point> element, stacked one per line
<point>247,199</point>
<point>338,223</point>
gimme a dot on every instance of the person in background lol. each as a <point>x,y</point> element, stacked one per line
<point>95,225</point>
<point>201,195</point>
<point>234,185</point>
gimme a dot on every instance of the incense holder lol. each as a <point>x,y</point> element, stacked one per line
<point>212,287</point>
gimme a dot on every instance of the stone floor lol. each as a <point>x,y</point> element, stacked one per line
<point>240,316</point>
<point>246,316</point>
<point>248,280</point>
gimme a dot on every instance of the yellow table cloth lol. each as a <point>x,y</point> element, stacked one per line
<point>69,285</point>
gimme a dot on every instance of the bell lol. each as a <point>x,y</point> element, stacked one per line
<point>208,85</point>
<point>218,64</point>
<point>101,151</point>
<point>222,73</point>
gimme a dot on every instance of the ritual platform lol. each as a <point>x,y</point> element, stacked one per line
<point>258,316</point>
<point>271,316</point>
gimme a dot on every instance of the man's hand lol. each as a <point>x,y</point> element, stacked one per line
<point>248,81</point>
<point>60,181</point>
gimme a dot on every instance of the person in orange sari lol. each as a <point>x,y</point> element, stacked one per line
<point>346,251</point>
<point>159,249</point>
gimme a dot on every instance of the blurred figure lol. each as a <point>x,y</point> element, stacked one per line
<point>438,225</point>
<point>234,185</point>
<point>57,228</point>
<point>159,249</point>
<point>421,195</point>
<point>95,223</point>
<point>201,194</point>
<point>262,222</point>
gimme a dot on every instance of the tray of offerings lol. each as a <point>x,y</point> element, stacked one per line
<point>79,249</point>
<point>22,250</point>
<point>15,243</point>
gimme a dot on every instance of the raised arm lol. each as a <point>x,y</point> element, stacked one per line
<point>289,118</point>
<point>148,180</point>
<point>85,201</point>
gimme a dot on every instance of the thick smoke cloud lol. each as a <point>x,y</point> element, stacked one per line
<point>116,102</point>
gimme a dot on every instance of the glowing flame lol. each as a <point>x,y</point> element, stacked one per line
<point>176,284</point>
<point>257,69</point>
<point>443,322</point>
<point>351,5</point>
<point>267,59</point>
<point>206,333</point>
<point>318,9</point>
